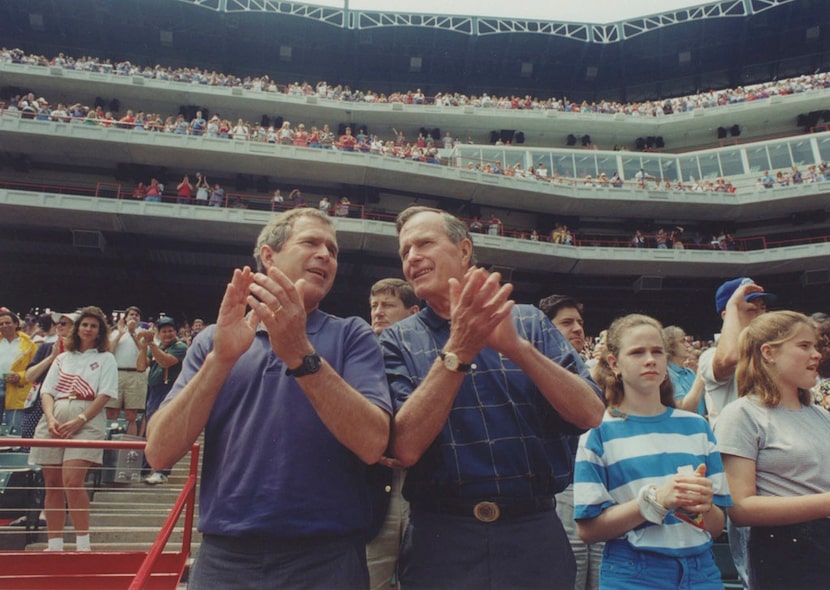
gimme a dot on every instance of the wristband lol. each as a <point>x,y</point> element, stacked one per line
<point>650,508</point>
<point>83,417</point>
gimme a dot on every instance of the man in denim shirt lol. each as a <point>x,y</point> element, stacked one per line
<point>486,393</point>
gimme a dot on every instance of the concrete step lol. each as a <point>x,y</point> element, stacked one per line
<point>144,495</point>
<point>139,534</point>
<point>96,546</point>
<point>130,519</point>
<point>137,508</point>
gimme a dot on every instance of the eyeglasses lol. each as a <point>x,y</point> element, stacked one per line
<point>64,323</point>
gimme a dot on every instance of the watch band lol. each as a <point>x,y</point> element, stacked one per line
<point>453,363</point>
<point>311,364</point>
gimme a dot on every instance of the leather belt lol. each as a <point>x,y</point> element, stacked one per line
<point>132,370</point>
<point>487,510</point>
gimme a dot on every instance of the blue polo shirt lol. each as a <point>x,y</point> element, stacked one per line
<point>682,379</point>
<point>270,465</point>
<point>502,439</point>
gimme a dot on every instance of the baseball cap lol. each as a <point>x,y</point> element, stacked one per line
<point>726,290</point>
<point>165,321</point>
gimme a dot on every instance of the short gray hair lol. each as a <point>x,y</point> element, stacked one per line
<point>455,229</point>
<point>674,337</point>
<point>278,230</point>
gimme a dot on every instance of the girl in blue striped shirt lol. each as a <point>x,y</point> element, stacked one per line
<point>649,480</point>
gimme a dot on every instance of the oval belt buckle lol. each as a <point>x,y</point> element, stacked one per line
<point>486,511</point>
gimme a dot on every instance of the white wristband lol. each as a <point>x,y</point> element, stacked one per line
<point>83,417</point>
<point>650,508</point>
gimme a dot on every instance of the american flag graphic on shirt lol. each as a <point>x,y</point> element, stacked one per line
<point>73,384</point>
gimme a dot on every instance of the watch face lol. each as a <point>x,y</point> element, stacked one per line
<point>451,361</point>
<point>312,363</point>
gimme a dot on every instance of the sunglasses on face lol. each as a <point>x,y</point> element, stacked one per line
<point>64,323</point>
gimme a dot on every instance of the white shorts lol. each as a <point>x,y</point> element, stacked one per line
<point>66,410</point>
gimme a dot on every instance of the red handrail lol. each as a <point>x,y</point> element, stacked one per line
<point>187,498</point>
<point>134,570</point>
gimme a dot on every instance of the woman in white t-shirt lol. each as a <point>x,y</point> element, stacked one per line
<point>771,441</point>
<point>77,387</point>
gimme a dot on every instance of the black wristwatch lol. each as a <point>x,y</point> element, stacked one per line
<point>453,363</point>
<point>311,364</point>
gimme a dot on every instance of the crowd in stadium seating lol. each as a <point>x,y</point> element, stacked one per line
<point>337,92</point>
<point>424,149</point>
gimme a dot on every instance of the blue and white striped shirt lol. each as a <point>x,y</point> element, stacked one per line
<point>626,453</point>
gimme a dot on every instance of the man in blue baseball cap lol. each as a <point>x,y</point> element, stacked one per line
<point>726,290</point>
<point>738,301</point>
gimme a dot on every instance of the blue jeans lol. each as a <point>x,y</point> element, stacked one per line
<point>441,551</point>
<point>258,563</point>
<point>626,568</point>
<point>155,395</point>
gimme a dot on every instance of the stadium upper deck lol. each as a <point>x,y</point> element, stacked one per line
<point>182,249</point>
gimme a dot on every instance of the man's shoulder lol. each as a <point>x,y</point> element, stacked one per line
<point>339,327</point>
<point>706,357</point>
<point>422,323</point>
<point>527,311</point>
<point>177,346</point>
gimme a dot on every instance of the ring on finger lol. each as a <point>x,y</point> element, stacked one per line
<point>276,311</point>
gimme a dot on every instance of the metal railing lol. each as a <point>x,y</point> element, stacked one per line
<point>144,568</point>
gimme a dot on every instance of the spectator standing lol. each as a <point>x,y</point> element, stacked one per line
<point>202,189</point>
<point>472,502</point>
<point>16,351</point>
<point>164,360</point>
<point>78,385</point>
<point>495,227</point>
<point>565,313</point>
<point>326,138</point>
<point>185,191</point>
<point>390,301</point>
<point>277,201</point>
<point>198,124</point>
<point>639,240</point>
<point>682,377</point>
<point>347,141</point>
<point>780,483</point>
<point>132,383</point>
<point>342,207</point>
<point>661,239</point>
<point>289,388</point>
<point>296,198</point>
<point>324,206</point>
<point>217,196</point>
<point>153,192</point>
<point>46,354</point>
<point>738,301</point>
<point>649,479</point>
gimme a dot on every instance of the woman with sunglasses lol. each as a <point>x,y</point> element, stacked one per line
<point>37,369</point>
